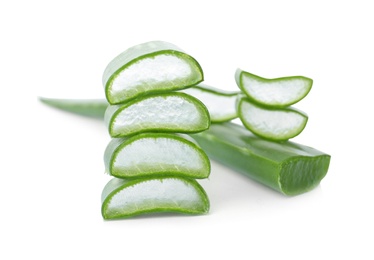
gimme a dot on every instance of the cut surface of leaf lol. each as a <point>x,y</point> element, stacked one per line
<point>273,124</point>
<point>287,167</point>
<point>171,112</point>
<point>123,198</point>
<point>86,107</point>
<point>278,92</point>
<point>220,104</point>
<point>155,154</point>
<point>151,67</point>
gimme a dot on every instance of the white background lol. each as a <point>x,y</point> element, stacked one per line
<point>51,161</point>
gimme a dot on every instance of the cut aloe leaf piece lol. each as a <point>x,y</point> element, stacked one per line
<point>287,167</point>
<point>85,107</point>
<point>152,154</point>
<point>151,67</point>
<point>171,112</point>
<point>123,198</point>
<point>220,103</point>
<point>278,92</point>
<point>273,124</point>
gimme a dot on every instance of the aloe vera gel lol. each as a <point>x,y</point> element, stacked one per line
<point>151,67</point>
<point>220,103</point>
<point>153,165</point>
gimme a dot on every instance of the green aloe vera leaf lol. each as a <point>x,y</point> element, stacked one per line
<point>155,154</point>
<point>171,112</point>
<point>152,67</point>
<point>86,107</point>
<point>273,124</point>
<point>287,167</point>
<point>278,92</point>
<point>220,104</point>
<point>126,198</point>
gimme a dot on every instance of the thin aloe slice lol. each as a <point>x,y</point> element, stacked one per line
<point>123,198</point>
<point>273,124</point>
<point>287,167</point>
<point>152,154</point>
<point>151,67</point>
<point>90,107</point>
<point>170,112</point>
<point>220,104</point>
<point>278,92</point>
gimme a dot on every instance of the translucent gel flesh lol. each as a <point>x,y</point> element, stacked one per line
<point>172,112</point>
<point>158,72</point>
<point>167,193</point>
<point>161,154</point>
<point>219,107</point>
<point>277,92</point>
<point>272,123</point>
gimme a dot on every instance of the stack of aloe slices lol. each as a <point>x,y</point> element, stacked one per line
<point>264,109</point>
<point>153,163</point>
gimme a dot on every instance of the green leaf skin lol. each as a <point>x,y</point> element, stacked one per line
<point>142,121</point>
<point>274,128</point>
<point>191,161</point>
<point>126,198</point>
<point>149,51</point>
<point>287,167</point>
<point>88,107</point>
<point>283,85</point>
<point>220,103</point>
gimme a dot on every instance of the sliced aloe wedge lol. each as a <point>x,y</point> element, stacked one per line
<point>171,112</point>
<point>151,67</point>
<point>220,103</point>
<point>273,124</point>
<point>155,154</point>
<point>278,92</point>
<point>287,167</point>
<point>122,198</point>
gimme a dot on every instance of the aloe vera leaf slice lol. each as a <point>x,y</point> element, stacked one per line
<point>86,107</point>
<point>273,124</point>
<point>155,154</point>
<point>170,112</point>
<point>287,167</point>
<point>220,104</point>
<point>278,92</point>
<point>151,67</point>
<point>123,198</point>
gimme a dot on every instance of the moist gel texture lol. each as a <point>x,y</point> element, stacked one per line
<point>279,92</point>
<point>273,124</point>
<point>123,198</point>
<point>287,167</point>
<point>220,104</point>
<point>174,112</point>
<point>152,67</point>
<point>152,154</point>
